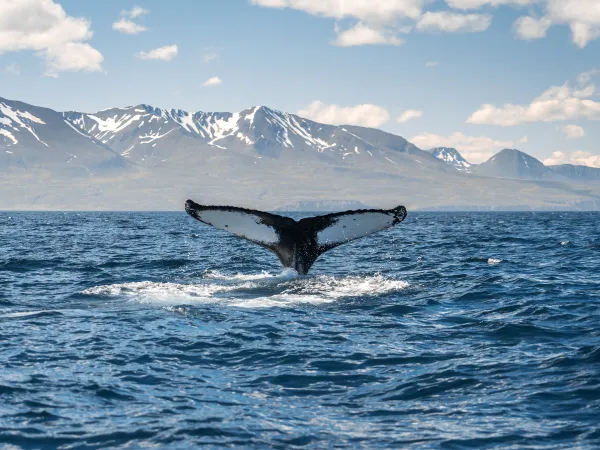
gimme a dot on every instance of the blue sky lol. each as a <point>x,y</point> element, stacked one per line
<point>353,61</point>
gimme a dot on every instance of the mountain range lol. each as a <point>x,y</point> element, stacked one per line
<point>147,158</point>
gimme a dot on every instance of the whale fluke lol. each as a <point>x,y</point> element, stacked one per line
<point>297,244</point>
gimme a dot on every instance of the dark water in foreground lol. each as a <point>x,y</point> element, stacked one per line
<point>453,330</point>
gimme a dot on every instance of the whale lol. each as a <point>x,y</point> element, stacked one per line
<point>297,243</point>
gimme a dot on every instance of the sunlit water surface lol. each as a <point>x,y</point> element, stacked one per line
<point>452,330</point>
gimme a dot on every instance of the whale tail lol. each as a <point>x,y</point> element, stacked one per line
<point>297,244</point>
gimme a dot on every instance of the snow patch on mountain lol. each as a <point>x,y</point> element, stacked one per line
<point>9,135</point>
<point>23,119</point>
<point>452,157</point>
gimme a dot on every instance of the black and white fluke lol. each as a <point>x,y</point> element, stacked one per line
<point>298,244</point>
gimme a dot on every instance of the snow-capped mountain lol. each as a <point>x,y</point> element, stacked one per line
<point>147,135</point>
<point>34,137</point>
<point>142,157</point>
<point>452,157</point>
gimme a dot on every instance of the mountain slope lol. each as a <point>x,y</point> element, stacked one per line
<point>148,158</point>
<point>510,163</point>
<point>577,173</point>
<point>452,157</point>
<point>39,138</point>
<point>152,136</point>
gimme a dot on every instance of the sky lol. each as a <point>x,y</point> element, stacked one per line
<point>477,75</point>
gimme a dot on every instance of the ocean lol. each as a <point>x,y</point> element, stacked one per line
<point>452,330</point>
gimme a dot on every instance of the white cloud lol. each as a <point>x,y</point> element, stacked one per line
<point>432,64</point>
<point>583,33</point>
<point>12,68</point>
<point>409,114</point>
<point>128,26</point>
<point>166,53</point>
<point>582,17</point>
<point>476,4</point>
<point>213,81</point>
<point>365,115</point>
<point>44,27</point>
<point>528,27</point>
<point>573,131</point>
<point>578,158</point>
<point>373,11</point>
<point>374,21</point>
<point>72,56</point>
<point>556,104</point>
<point>362,34</point>
<point>136,11</point>
<point>453,22</point>
<point>475,149</point>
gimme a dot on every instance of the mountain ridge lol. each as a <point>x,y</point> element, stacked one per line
<point>143,157</point>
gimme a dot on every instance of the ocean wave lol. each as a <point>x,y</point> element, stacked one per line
<point>254,290</point>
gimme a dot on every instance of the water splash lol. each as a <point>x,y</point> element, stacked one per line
<point>254,290</point>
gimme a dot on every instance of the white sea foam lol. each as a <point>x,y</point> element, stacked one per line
<point>287,274</point>
<point>263,290</point>
<point>165,292</point>
<point>494,261</point>
<point>281,300</point>
<point>352,286</point>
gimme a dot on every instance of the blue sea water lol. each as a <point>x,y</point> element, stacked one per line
<point>452,330</point>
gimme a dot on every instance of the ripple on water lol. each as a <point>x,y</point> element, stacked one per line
<point>454,330</point>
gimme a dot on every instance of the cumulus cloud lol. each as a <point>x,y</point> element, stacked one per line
<point>528,27</point>
<point>409,114</point>
<point>556,104</point>
<point>475,149</point>
<point>362,34</point>
<point>48,31</point>
<point>581,16</point>
<point>374,21</point>
<point>166,53</point>
<point>128,26</point>
<point>213,81</point>
<point>384,16</point>
<point>573,131</point>
<point>451,22</point>
<point>365,115</point>
<point>580,158</point>
<point>476,4</point>
<point>72,56</point>
<point>379,11</point>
